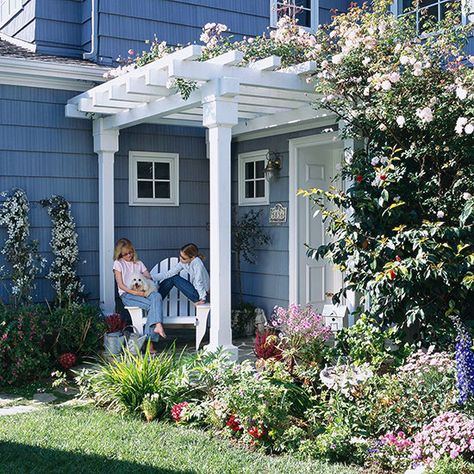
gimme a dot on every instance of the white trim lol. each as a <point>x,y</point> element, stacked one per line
<point>244,158</point>
<point>314,15</point>
<point>35,73</point>
<point>293,146</point>
<point>18,42</point>
<point>172,159</point>
<point>12,14</point>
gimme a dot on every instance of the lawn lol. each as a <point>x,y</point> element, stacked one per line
<point>87,440</point>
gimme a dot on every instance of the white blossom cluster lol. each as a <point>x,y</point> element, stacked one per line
<point>62,272</point>
<point>21,253</point>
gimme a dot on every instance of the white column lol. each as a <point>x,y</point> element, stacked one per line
<point>106,144</point>
<point>220,115</point>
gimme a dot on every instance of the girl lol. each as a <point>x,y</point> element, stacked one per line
<point>125,264</point>
<point>197,290</point>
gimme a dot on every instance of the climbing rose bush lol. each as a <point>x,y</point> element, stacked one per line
<point>402,231</point>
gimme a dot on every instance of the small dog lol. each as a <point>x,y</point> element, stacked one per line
<point>139,283</point>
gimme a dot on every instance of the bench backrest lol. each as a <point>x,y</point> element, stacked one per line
<point>175,304</point>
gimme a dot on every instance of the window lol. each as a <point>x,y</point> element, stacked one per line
<point>253,187</point>
<point>306,12</point>
<point>423,11</point>
<point>154,179</point>
<point>8,9</point>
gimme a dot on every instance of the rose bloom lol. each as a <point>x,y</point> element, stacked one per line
<point>400,121</point>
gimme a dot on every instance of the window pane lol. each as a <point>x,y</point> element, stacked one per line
<point>259,166</point>
<point>304,18</point>
<point>260,188</point>
<point>303,3</point>
<point>249,189</point>
<point>428,16</point>
<point>427,3</point>
<point>162,171</point>
<point>249,170</point>
<point>162,190</point>
<point>145,189</point>
<point>144,170</point>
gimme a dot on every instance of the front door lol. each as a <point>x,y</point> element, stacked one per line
<point>315,162</point>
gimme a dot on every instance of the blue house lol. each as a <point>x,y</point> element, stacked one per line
<point>66,131</point>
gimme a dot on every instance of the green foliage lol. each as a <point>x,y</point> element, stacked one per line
<point>446,465</point>
<point>123,383</point>
<point>403,230</point>
<point>78,329</point>
<point>25,334</point>
<point>366,341</point>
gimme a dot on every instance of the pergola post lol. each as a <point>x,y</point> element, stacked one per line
<point>106,144</point>
<point>220,115</point>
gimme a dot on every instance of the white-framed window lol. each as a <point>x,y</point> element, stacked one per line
<point>307,14</point>
<point>253,187</point>
<point>433,10</point>
<point>153,179</point>
<point>8,9</point>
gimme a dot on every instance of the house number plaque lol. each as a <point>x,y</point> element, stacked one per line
<point>278,214</point>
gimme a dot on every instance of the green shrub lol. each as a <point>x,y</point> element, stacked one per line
<point>24,344</point>
<point>78,329</point>
<point>446,465</point>
<point>124,382</point>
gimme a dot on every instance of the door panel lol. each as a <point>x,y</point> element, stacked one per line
<point>316,168</point>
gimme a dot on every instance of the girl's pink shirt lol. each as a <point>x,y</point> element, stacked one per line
<point>127,269</point>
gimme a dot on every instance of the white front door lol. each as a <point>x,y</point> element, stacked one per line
<point>313,163</point>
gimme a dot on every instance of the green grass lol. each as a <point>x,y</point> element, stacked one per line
<point>87,440</point>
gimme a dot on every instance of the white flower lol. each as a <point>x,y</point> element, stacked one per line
<point>394,77</point>
<point>400,121</point>
<point>425,114</point>
<point>461,93</point>
<point>367,91</point>
<point>466,196</point>
<point>404,60</point>
<point>386,85</point>
<point>375,161</point>
<point>440,214</point>
<point>420,469</point>
<point>460,124</point>
<point>382,127</point>
<point>366,61</point>
<point>417,69</point>
<point>337,58</point>
<point>469,128</point>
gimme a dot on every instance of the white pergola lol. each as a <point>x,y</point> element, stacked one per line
<point>230,100</point>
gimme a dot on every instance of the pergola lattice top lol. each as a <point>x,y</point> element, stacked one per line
<point>267,95</point>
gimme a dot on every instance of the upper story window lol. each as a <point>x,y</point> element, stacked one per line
<point>253,187</point>
<point>153,179</point>
<point>306,11</point>
<point>8,8</point>
<point>423,11</point>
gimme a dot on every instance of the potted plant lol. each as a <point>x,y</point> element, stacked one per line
<point>247,235</point>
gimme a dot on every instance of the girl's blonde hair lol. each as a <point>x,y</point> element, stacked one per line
<point>121,246</point>
<point>191,251</point>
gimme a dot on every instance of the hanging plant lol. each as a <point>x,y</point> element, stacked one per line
<point>62,273</point>
<point>20,252</point>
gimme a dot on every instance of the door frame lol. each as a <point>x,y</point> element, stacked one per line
<point>293,229</point>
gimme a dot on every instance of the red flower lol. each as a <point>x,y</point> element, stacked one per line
<point>255,432</point>
<point>359,178</point>
<point>177,410</point>
<point>383,177</point>
<point>392,275</point>
<point>67,360</point>
<point>234,424</point>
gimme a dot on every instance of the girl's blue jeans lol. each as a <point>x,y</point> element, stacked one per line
<point>182,285</point>
<point>153,305</point>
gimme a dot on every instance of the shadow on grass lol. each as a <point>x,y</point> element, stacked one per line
<point>18,458</point>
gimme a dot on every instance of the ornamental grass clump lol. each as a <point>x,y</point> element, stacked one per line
<point>450,434</point>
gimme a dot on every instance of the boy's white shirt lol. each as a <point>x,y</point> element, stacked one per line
<point>197,271</point>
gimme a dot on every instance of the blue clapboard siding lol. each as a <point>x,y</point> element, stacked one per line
<point>22,25</point>
<point>45,153</point>
<point>266,283</point>
<point>159,231</point>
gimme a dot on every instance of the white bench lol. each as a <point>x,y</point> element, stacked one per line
<point>178,311</point>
